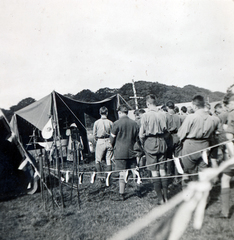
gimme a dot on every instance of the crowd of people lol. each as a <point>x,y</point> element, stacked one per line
<point>158,135</point>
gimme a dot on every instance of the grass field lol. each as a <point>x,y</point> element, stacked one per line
<point>99,217</point>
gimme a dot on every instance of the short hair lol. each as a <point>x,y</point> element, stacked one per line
<point>141,111</point>
<point>151,99</point>
<point>176,109</point>
<point>164,108</point>
<point>123,108</point>
<point>170,104</point>
<point>103,111</point>
<point>183,109</point>
<point>190,110</point>
<point>218,105</point>
<point>136,112</point>
<point>199,101</point>
<point>228,98</point>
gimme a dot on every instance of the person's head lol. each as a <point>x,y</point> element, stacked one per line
<point>198,102</point>
<point>190,110</point>
<point>103,111</point>
<point>141,112</point>
<point>151,100</point>
<point>183,110</point>
<point>164,108</point>
<point>218,108</point>
<point>170,105</point>
<point>176,110</point>
<point>136,113</point>
<point>228,100</point>
<point>122,110</point>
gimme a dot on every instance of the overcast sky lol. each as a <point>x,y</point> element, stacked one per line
<point>71,45</point>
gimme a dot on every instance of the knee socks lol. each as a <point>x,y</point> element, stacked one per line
<point>225,201</point>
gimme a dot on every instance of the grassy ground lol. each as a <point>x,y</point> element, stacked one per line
<point>99,217</point>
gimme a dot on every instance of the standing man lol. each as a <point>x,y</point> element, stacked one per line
<point>173,124</point>
<point>183,113</point>
<point>123,137</point>
<point>101,132</point>
<point>195,134</point>
<point>152,133</point>
<point>228,173</point>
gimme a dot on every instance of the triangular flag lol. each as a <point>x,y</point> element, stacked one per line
<point>178,165</point>
<point>93,177</point>
<point>204,156</point>
<point>80,178</point>
<point>47,131</point>
<point>11,137</point>
<point>108,179</point>
<point>23,164</point>
<point>67,176</point>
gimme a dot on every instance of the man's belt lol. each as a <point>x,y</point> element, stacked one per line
<point>103,137</point>
<point>174,131</point>
<point>156,135</point>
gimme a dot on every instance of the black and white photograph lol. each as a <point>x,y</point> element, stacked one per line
<point>116,119</point>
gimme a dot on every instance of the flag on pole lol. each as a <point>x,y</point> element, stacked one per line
<point>47,131</point>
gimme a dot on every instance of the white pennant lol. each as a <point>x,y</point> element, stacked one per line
<point>23,164</point>
<point>204,156</point>
<point>67,176</point>
<point>178,165</point>
<point>80,178</point>
<point>93,177</point>
<point>47,131</point>
<point>108,179</point>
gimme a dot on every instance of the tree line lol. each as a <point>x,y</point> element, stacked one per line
<point>143,88</point>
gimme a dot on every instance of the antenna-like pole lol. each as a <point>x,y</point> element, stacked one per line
<point>135,95</point>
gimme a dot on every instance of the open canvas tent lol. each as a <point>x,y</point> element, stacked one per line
<point>31,120</point>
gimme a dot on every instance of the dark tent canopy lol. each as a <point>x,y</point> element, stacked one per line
<point>31,119</point>
<point>12,180</point>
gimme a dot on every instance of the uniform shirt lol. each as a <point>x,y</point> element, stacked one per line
<point>199,125</point>
<point>230,122</point>
<point>152,122</point>
<point>102,128</point>
<point>123,137</point>
<point>173,121</point>
<point>182,117</point>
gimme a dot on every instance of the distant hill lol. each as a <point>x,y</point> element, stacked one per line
<point>143,88</point>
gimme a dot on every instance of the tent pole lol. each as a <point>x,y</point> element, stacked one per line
<point>77,173</point>
<point>42,178</point>
<point>57,136</point>
<point>73,170</point>
<point>58,129</point>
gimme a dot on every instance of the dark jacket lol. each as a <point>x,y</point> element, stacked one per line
<point>123,137</point>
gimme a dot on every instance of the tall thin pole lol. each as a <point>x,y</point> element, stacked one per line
<point>57,136</point>
<point>134,92</point>
<point>135,95</point>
